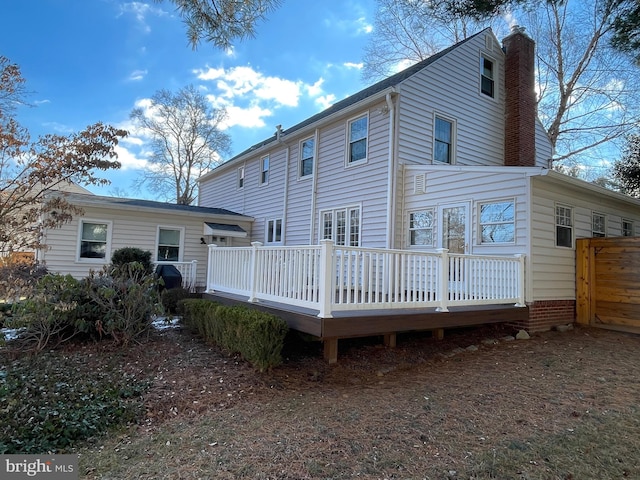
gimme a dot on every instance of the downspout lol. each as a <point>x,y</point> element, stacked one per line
<point>391,174</point>
<point>285,200</point>
<point>314,185</point>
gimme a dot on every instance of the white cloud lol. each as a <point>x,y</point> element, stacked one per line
<point>325,101</point>
<point>129,160</point>
<point>137,75</point>
<point>140,11</point>
<point>357,66</point>
<point>315,89</point>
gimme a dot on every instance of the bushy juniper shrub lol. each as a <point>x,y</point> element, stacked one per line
<point>257,336</point>
<point>126,255</point>
<point>48,405</point>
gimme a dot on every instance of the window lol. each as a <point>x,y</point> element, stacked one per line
<point>564,226</point>
<point>274,231</point>
<point>487,80</point>
<point>443,140</point>
<point>421,228</point>
<point>342,226</point>
<point>358,130</point>
<point>264,176</point>
<point>598,225</point>
<point>94,237</point>
<point>241,177</point>
<point>169,244</point>
<point>497,222</point>
<point>307,150</point>
<point>627,228</point>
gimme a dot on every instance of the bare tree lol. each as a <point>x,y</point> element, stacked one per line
<point>31,170</point>
<point>408,31</point>
<point>186,141</point>
<point>222,21</point>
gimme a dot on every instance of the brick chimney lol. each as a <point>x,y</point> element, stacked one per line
<point>520,99</point>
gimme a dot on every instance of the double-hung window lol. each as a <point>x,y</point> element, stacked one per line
<point>358,132</point>
<point>627,228</point>
<point>487,78</point>
<point>564,226</point>
<point>443,140</point>
<point>94,239</point>
<point>342,225</point>
<point>169,241</point>
<point>241,177</point>
<point>421,227</point>
<point>274,230</point>
<point>264,173</point>
<point>497,222</point>
<point>307,151</point>
<point>598,225</point>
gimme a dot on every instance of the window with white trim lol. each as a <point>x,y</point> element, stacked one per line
<point>342,225</point>
<point>307,152</point>
<point>487,76</point>
<point>264,171</point>
<point>169,243</point>
<point>497,222</point>
<point>598,225</point>
<point>358,134</point>
<point>564,226</point>
<point>627,228</point>
<point>274,230</point>
<point>421,227</point>
<point>94,239</point>
<point>443,140</point>
<point>241,177</point>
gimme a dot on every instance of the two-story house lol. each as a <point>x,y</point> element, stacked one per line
<point>447,154</point>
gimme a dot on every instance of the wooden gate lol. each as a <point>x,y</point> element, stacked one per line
<point>608,282</point>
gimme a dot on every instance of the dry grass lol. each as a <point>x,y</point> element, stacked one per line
<point>558,406</point>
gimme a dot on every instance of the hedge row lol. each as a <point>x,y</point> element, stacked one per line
<point>257,336</point>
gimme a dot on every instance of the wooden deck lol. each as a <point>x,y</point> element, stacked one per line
<point>386,323</point>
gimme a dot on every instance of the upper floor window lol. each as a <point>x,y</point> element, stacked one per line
<point>598,225</point>
<point>627,228</point>
<point>307,151</point>
<point>274,230</point>
<point>342,225</point>
<point>443,140</point>
<point>358,131</point>
<point>487,77</point>
<point>264,175</point>
<point>421,227</point>
<point>94,239</point>
<point>564,226</point>
<point>241,177</point>
<point>497,222</point>
<point>169,240</point>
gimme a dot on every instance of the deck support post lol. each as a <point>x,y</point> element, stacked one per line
<point>331,349</point>
<point>521,293</point>
<point>390,340</point>
<point>325,280</point>
<point>438,333</point>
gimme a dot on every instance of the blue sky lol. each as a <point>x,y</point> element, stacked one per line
<point>95,60</point>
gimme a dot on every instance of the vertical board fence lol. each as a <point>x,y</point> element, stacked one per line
<point>608,282</point>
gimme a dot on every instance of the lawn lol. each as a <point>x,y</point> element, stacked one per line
<point>477,405</point>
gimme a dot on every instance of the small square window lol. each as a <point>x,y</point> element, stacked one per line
<point>627,228</point>
<point>497,222</point>
<point>421,228</point>
<point>274,231</point>
<point>93,240</point>
<point>598,225</point>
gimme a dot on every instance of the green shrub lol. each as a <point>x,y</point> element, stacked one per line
<point>171,298</point>
<point>50,315</point>
<point>47,406</point>
<point>17,280</point>
<point>128,298</point>
<point>257,336</point>
<point>126,255</point>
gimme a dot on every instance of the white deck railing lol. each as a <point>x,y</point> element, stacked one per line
<point>188,270</point>
<point>331,278</point>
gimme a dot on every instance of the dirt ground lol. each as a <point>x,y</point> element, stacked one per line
<point>478,404</point>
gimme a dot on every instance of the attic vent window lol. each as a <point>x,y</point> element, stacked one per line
<point>487,78</point>
<point>420,184</point>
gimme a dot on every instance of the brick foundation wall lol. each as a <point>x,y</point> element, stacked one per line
<point>546,314</point>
